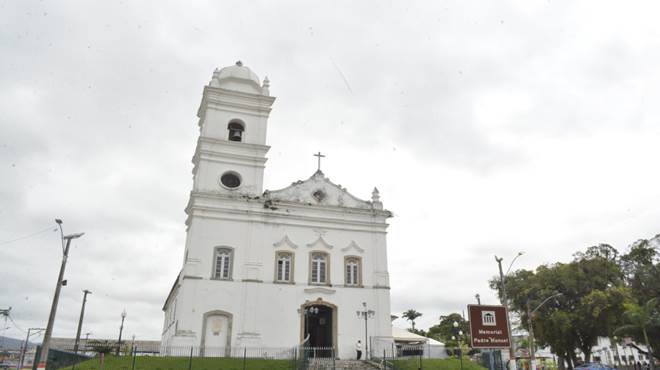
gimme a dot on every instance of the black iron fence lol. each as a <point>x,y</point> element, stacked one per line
<point>131,356</point>
<point>420,356</point>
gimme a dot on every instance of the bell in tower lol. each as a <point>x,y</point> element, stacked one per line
<point>234,110</point>
<point>235,131</point>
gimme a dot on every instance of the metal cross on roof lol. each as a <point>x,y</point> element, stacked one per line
<point>319,155</point>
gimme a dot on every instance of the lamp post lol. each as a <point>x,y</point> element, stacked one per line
<point>458,336</point>
<point>121,328</point>
<point>307,312</point>
<point>43,357</point>
<point>80,321</point>
<point>505,301</point>
<point>87,340</point>
<point>365,314</point>
<point>530,315</point>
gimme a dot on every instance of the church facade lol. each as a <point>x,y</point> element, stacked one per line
<point>271,268</point>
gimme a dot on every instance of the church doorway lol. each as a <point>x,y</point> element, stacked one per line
<point>216,334</point>
<point>319,327</point>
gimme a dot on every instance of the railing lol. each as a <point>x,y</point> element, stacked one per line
<point>133,356</point>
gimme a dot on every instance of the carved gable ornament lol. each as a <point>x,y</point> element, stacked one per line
<point>317,190</point>
<point>320,243</point>
<point>353,246</point>
<point>285,243</point>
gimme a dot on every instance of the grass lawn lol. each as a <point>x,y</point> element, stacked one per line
<point>436,364</point>
<point>181,363</point>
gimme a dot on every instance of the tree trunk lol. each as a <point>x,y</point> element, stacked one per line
<point>587,354</point>
<point>572,360</point>
<point>560,362</point>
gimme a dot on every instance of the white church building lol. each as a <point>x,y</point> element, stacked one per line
<point>271,268</point>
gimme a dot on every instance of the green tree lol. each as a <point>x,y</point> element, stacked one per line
<point>590,306</point>
<point>640,318</point>
<point>411,315</point>
<point>444,330</point>
<point>641,268</point>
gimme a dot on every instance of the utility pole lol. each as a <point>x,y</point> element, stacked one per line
<point>25,346</point>
<point>80,321</point>
<point>43,357</point>
<point>530,318</point>
<point>512,345</point>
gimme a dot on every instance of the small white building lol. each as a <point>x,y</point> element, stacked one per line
<point>256,261</point>
<point>407,342</point>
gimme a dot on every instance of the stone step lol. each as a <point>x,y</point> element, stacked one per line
<point>353,365</point>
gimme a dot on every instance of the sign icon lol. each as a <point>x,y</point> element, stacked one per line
<point>488,326</point>
<point>488,318</point>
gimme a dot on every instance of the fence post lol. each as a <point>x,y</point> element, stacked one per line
<point>244,356</point>
<point>190,358</point>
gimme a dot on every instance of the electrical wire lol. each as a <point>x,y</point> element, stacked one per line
<point>27,236</point>
<point>15,325</point>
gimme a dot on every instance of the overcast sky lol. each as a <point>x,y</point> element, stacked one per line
<point>490,127</point>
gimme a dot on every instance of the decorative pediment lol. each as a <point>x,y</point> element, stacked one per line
<point>353,246</point>
<point>317,190</point>
<point>320,243</point>
<point>320,290</point>
<point>285,242</point>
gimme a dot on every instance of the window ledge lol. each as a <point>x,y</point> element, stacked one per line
<point>221,279</point>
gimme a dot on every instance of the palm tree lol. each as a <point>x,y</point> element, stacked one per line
<point>411,315</point>
<point>639,318</point>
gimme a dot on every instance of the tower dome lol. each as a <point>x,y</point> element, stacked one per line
<point>237,77</point>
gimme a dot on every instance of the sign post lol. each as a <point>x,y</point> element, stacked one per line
<point>489,327</point>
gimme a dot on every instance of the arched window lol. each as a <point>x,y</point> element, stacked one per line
<point>284,267</point>
<point>222,266</point>
<point>319,268</point>
<point>235,129</point>
<point>353,271</point>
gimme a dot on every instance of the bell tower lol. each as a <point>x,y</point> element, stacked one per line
<point>233,117</point>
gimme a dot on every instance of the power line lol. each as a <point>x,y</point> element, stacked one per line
<point>27,236</point>
<point>15,325</point>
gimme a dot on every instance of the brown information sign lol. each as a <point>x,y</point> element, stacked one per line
<point>488,326</point>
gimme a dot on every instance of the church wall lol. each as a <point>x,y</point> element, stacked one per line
<point>212,167</point>
<point>272,318</point>
<point>254,250</point>
<point>267,308</point>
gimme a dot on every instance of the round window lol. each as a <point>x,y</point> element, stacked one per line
<point>230,180</point>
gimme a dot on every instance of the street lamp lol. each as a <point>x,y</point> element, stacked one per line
<point>80,321</point>
<point>121,328</point>
<point>43,357</point>
<point>531,328</point>
<point>512,346</point>
<point>365,314</point>
<point>459,335</point>
<point>307,312</point>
